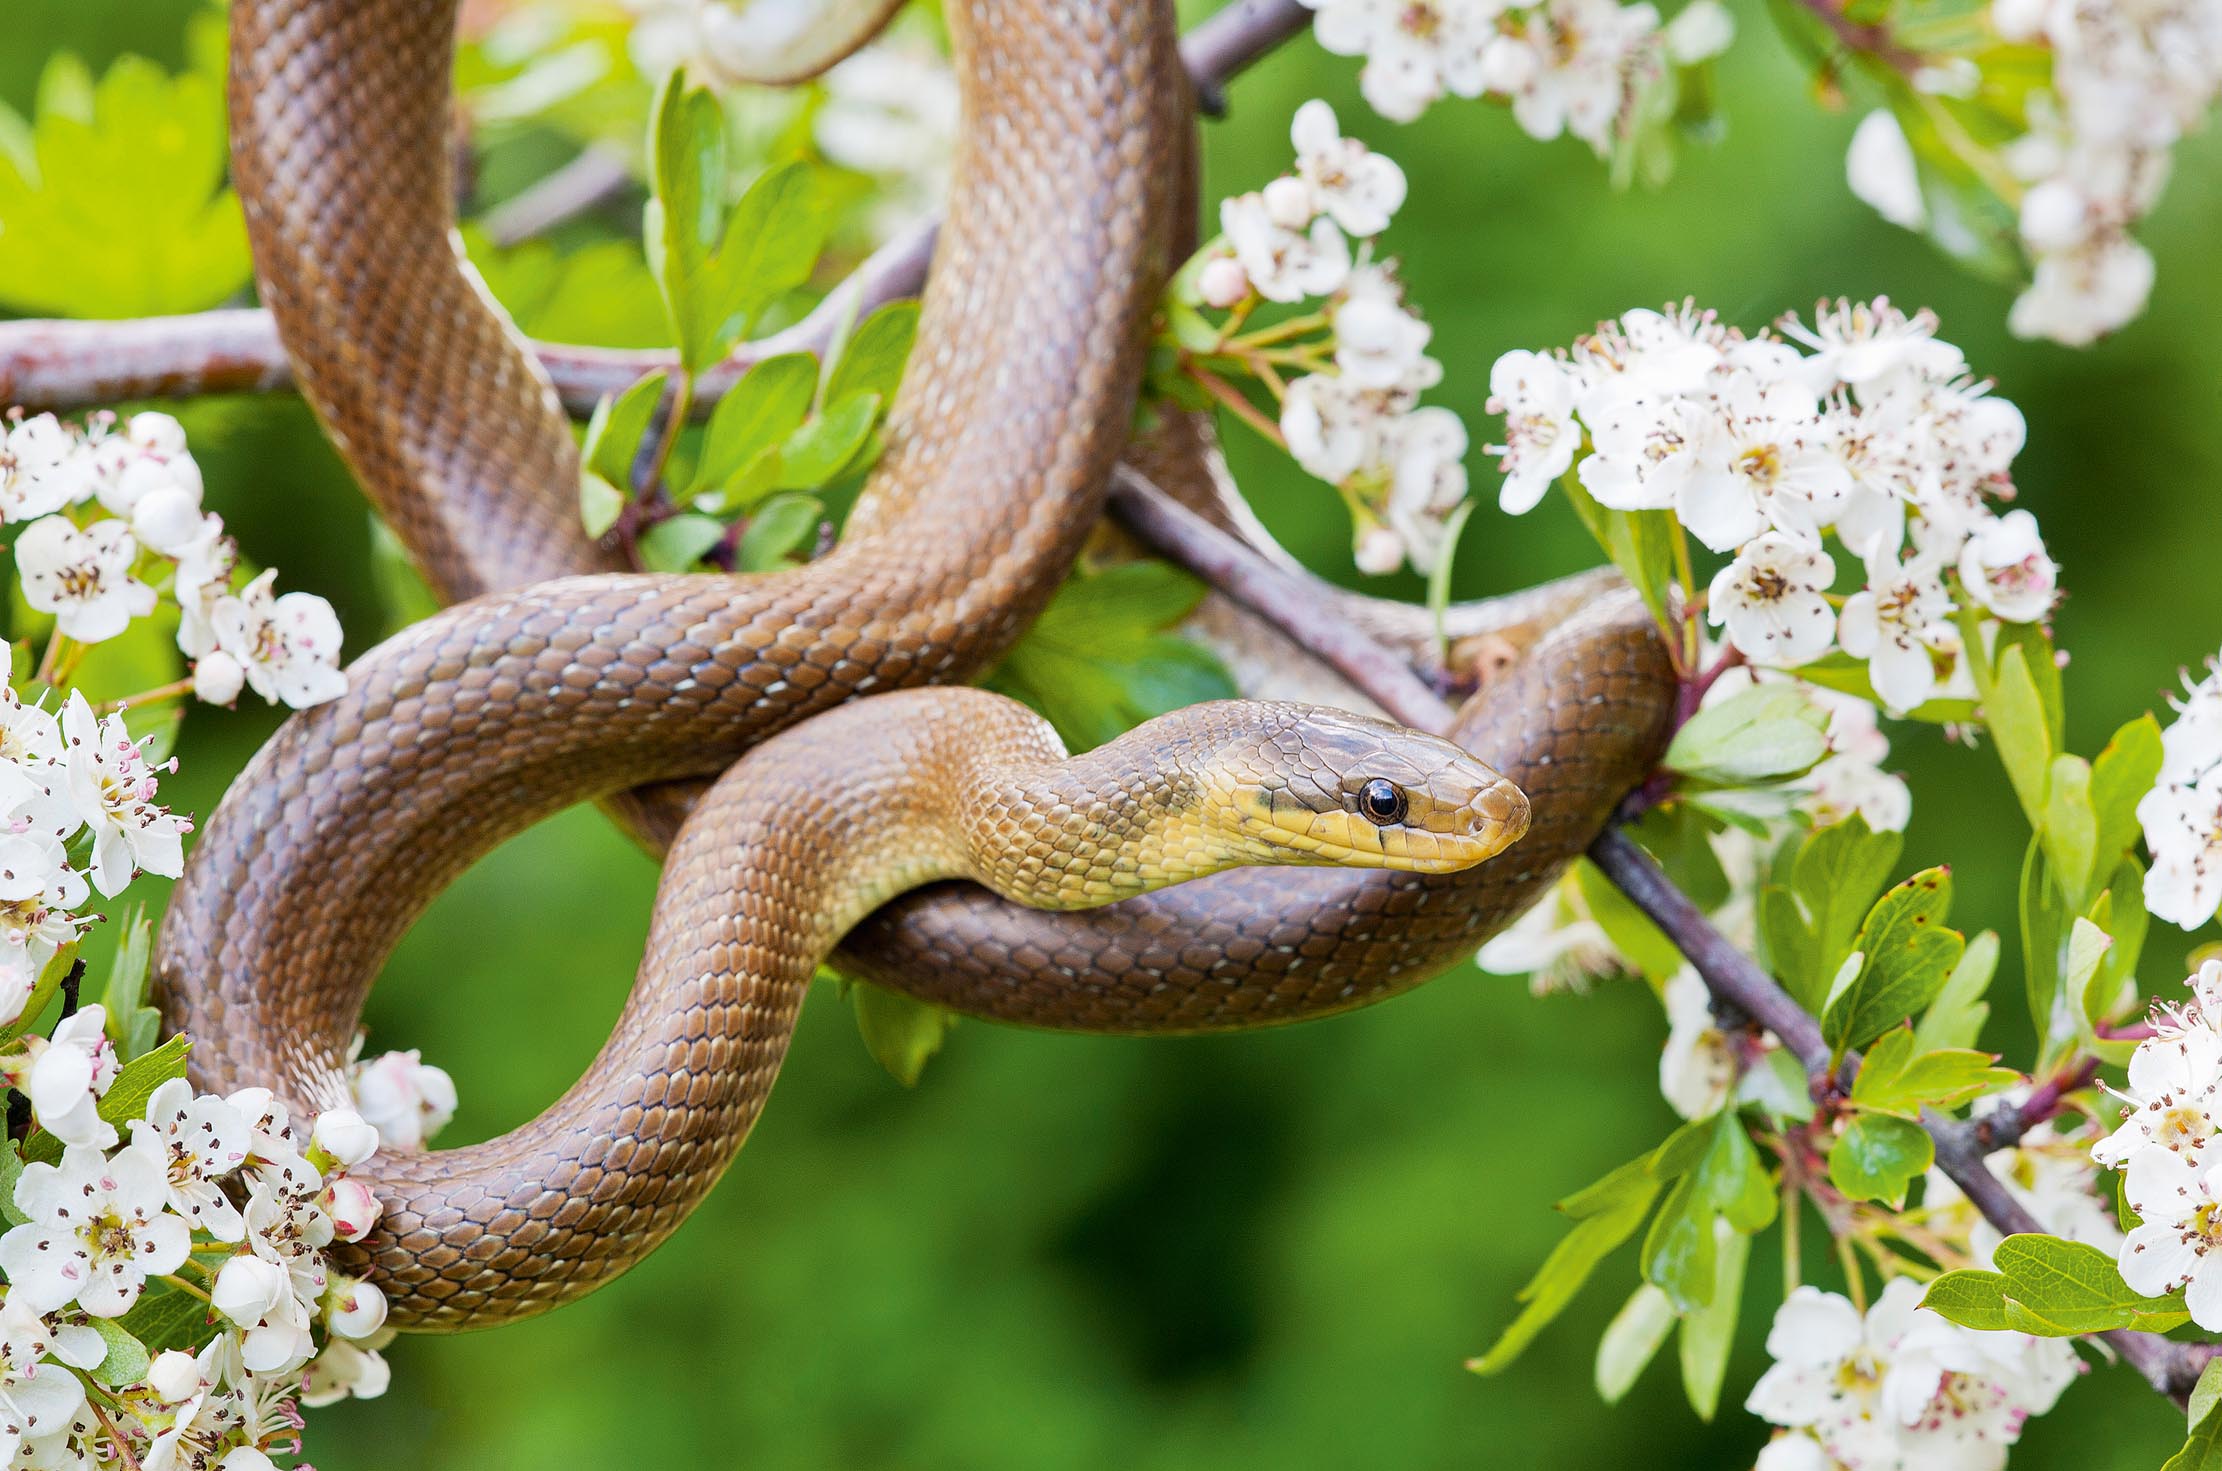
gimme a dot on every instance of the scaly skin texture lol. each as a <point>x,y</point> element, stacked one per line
<point>481,720</point>
<point>777,863</point>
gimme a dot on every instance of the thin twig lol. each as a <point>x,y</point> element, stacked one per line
<point>598,174</point>
<point>68,366</point>
<point>1733,978</point>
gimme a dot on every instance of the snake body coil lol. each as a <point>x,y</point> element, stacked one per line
<point>479,721</point>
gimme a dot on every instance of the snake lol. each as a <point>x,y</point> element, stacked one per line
<point>560,675</point>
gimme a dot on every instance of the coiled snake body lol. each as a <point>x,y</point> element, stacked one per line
<point>538,694</point>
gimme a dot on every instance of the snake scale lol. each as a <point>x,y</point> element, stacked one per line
<point>561,677</point>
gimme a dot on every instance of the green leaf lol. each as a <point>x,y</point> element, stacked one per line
<point>132,1024</point>
<point>1438,580</point>
<point>120,209</point>
<point>1095,663</point>
<point>1679,1251</point>
<point>2061,1289</point>
<point>1956,1017</point>
<point>2016,717</point>
<point>1970,1298</point>
<point>1910,954</point>
<point>901,1032</point>
<point>2125,923</point>
<point>684,222</point>
<point>2205,1394</point>
<point>2071,828</point>
<point>1835,877</point>
<point>1897,1077</point>
<point>769,247</point>
<point>11,1174</point>
<point>877,351</point>
<point>2203,1450</point>
<point>778,529</point>
<point>1733,1180</point>
<point>2124,772</point>
<point>2087,947</point>
<point>756,414</point>
<point>127,1358</point>
<point>677,544</point>
<point>2045,920</point>
<point>1643,944</point>
<point>823,446</point>
<point>599,295</point>
<point>42,991</point>
<point>126,1098</point>
<point>166,1318</point>
<point>1640,543</point>
<point>1710,1331</point>
<point>1877,1157</point>
<point>1768,731</point>
<point>613,435</point>
<point>1594,1237</point>
<point>1631,1341</point>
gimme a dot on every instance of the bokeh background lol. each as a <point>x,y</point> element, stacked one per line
<point>1269,1250</point>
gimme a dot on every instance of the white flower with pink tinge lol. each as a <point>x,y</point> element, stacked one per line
<point>83,577</point>
<point>114,787</point>
<point>287,648</point>
<point>98,1229</point>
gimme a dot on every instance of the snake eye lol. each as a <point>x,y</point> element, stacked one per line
<point>1382,802</point>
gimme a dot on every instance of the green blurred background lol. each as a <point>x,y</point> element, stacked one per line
<point>1271,1250</point>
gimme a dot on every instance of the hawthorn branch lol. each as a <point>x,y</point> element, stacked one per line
<point>1733,978</point>
<point>68,366</point>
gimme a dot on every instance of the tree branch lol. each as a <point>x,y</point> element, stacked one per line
<point>1733,978</point>
<point>595,176</point>
<point>67,366</point>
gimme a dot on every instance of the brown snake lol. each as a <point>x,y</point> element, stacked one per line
<point>472,725</point>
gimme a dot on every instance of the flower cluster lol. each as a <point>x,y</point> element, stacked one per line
<point>1897,1386</point>
<point>1877,432</point>
<point>2182,814</point>
<point>405,1098</point>
<point>1580,67</point>
<point>2127,82</point>
<point>2165,1149</point>
<point>95,573</point>
<point>227,1200</point>
<point>1349,371</point>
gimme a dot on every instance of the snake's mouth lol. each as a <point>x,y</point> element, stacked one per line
<point>1432,837</point>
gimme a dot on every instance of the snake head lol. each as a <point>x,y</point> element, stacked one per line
<point>1328,787</point>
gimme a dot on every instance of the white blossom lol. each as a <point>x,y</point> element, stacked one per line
<point>1893,624</point>
<point>39,472</point>
<point>1428,480</point>
<point>354,1308</point>
<point>1284,262</point>
<point>1698,1066</point>
<point>68,1074</point>
<point>1415,50</point>
<point>1881,170</point>
<point>2176,1243</point>
<point>405,1098</point>
<point>2182,822</point>
<point>1356,187</point>
<point>1772,466</point>
<point>83,577</point>
<point>258,1295</point>
<point>1557,943</point>
<point>2003,566</point>
<point>287,647</point>
<point>37,1398</point>
<point>196,1140</point>
<point>1702,30</point>
<point>1379,342</point>
<point>1568,68</point>
<point>345,1370</point>
<point>98,1229</point>
<point>1535,393</point>
<point>1772,600</point>
<point>114,789</point>
<point>1850,779</point>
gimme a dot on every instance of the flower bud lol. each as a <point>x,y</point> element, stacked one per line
<point>245,1458</point>
<point>1222,282</point>
<point>157,434</point>
<point>175,1375</point>
<point>1703,30</point>
<point>1289,203</point>
<point>217,678</point>
<point>354,1308</point>
<point>343,1137</point>
<point>169,520</point>
<point>248,1289</point>
<point>353,1209</point>
<point>2054,216</point>
<point>1380,551</point>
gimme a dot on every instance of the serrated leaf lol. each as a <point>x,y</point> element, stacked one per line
<point>1768,732</point>
<point>2061,1289</point>
<point>756,414</point>
<point>123,210</point>
<point>1096,664</point>
<point>165,1318</point>
<point>678,543</point>
<point>132,1024</point>
<point>1898,1077</point>
<point>1836,875</point>
<point>1709,1332</point>
<point>1631,1341</point>
<point>877,351</point>
<point>778,529</point>
<point>126,1098</point>
<point>1970,1298</point>
<point>2016,718</point>
<point>901,1032</point>
<point>127,1359</point>
<point>2071,828</point>
<point>823,446</point>
<point>1910,954</point>
<point>2120,777</point>
<point>1956,1017</point>
<point>1877,1157</point>
<point>613,435</point>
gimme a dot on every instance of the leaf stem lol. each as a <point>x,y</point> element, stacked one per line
<point>1227,394</point>
<point>170,691</point>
